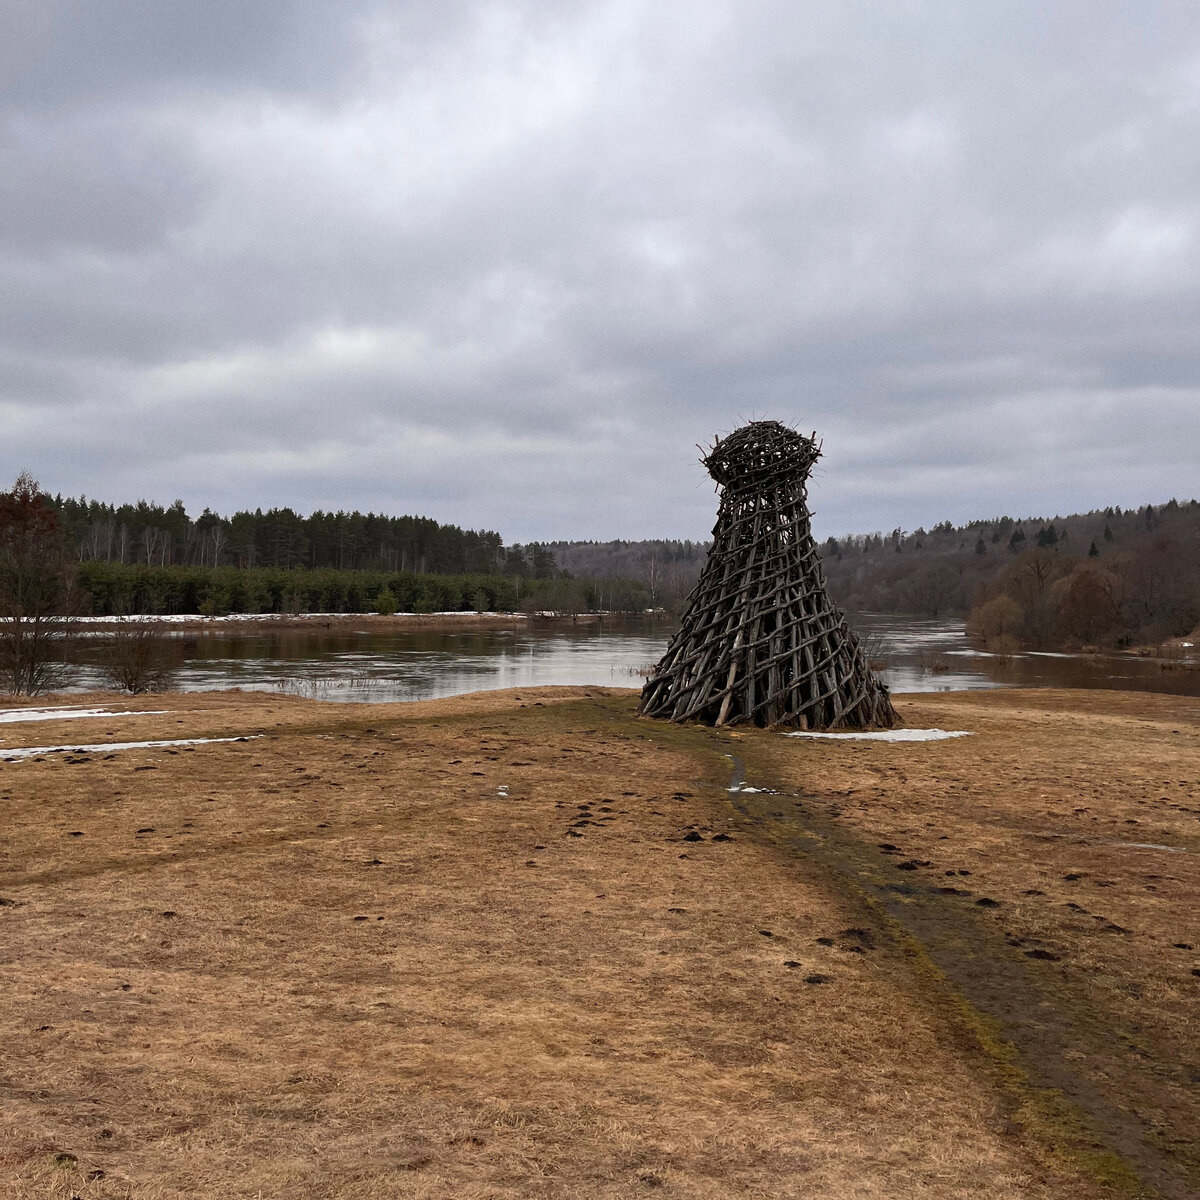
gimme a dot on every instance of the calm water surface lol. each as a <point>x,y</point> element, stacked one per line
<point>922,655</point>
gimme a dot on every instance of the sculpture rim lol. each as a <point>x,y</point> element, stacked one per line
<point>762,454</point>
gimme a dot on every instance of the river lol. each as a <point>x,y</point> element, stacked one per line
<point>921,655</point>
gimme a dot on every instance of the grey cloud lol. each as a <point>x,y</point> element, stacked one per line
<point>92,185</point>
<point>510,263</point>
<point>80,55</point>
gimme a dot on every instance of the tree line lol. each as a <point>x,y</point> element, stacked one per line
<point>152,534</point>
<point>1116,598</point>
<point>1146,561</point>
<point>948,568</point>
<point>113,589</point>
<point>667,568</point>
<point>51,572</point>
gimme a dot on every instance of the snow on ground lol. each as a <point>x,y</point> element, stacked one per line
<point>12,753</point>
<point>887,735</point>
<point>199,619</point>
<point>66,713</point>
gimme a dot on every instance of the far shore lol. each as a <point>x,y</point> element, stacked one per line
<point>356,622</point>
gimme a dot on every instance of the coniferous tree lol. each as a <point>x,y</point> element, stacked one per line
<point>1047,536</point>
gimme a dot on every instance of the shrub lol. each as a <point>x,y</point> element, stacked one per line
<point>141,656</point>
<point>996,620</point>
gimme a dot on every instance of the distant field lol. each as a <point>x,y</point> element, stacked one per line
<point>524,944</point>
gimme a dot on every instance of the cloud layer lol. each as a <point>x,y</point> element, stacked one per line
<point>505,264</point>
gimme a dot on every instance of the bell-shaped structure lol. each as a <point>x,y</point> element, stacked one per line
<point>760,641</point>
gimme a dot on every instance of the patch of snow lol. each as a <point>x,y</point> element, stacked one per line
<point>67,713</point>
<point>1186,645</point>
<point>12,753</point>
<point>200,619</point>
<point>1051,654</point>
<point>1152,846</point>
<point>886,735</point>
<point>156,618</point>
<point>743,788</point>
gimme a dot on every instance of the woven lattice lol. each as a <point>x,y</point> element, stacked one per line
<point>760,641</point>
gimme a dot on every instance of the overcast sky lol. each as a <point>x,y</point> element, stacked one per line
<point>504,264</point>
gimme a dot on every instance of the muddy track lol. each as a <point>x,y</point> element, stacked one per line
<point>1024,1030</point>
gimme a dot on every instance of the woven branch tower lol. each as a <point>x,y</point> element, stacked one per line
<point>761,641</point>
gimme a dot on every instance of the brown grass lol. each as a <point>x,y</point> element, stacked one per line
<point>1035,823</point>
<point>337,962</point>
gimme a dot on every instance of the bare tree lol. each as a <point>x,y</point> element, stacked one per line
<point>220,539</point>
<point>652,572</point>
<point>37,594</point>
<point>149,543</point>
<point>141,656</point>
<point>98,542</point>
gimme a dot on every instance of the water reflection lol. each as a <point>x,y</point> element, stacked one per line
<point>921,655</point>
<point>349,666</point>
<point>933,655</point>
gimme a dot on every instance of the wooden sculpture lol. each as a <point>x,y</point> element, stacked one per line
<point>761,641</point>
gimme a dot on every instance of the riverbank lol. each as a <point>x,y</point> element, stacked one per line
<point>522,943</point>
<point>349,622</point>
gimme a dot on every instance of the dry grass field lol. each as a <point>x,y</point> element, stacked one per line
<point>1048,866</point>
<point>525,944</point>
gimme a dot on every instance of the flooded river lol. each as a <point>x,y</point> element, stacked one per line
<point>921,655</point>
